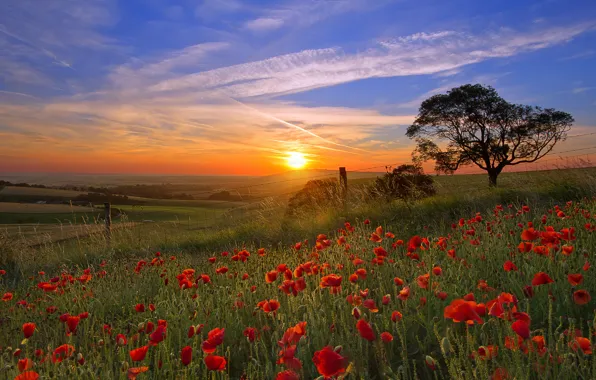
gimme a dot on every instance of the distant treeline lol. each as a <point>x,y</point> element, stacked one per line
<point>165,191</point>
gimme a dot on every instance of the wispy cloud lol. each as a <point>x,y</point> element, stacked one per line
<point>262,24</point>
<point>584,54</point>
<point>422,54</point>
<point>579,90</point>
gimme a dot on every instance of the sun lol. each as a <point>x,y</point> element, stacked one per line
<point>296,160</point>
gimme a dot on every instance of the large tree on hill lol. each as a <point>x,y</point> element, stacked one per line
<point>476,126</point>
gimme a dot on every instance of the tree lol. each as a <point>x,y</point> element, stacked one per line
<point>481,128</point>
<point>406,182</point>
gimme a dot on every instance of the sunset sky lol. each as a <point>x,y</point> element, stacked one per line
<point>233,86</point>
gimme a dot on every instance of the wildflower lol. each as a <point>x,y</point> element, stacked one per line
<point>509,266</point>
<point>287,375</point>
<point>541,278</point>
<point>462,311</point>
<point>580,343</point>
<point>365,330</point>
<point>581,297</point>
<point>28,329</point>
<point>396,316</point>
<point>575,279</point>
<point>329,363</point>
<point>62,352</point>
<point>186,355</point>
<point>521,328</point>
<point>386,337</point>
<point>28,375</point>
<point>132,373</point>
<point>138,354</point>
<point>215,363</point>
<point>7,297</point>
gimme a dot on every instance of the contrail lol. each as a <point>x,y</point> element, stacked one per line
<point>18,93</point>
<point>295,126</point>
<point>45,51</point>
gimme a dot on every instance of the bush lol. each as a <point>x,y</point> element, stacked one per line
<point>316,195</point>
<point>406,182</point>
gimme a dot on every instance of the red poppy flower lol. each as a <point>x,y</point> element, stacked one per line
<point>7,297</point>
<point>331,280</point>
<point>72,322</point>
<point>398,281</point>
<point>462,311</point>
<point>158,335</point>
<point>437,271</point>
<point>29,375</point>
<point>581,343</point>
<point>28,329</point>
<point>396,316</point>
<point>530,234</point>
<point>500,374</point>
<point>215,363</point>
<point>487,352</point>
<point>541,278</point>
<point>221,270</point>
<point>25,364</point>
<point>404,294</point>
<point>423,280</point>
<point>581,297</point>
<point>370,305</point>
<point>509,266</point>
<point>386,337</point>
<point>132,373</point>
<point>250,333</point>
<point>329,363</point>
<point>62,352</point>
<point>521,328</point>
<point>186,355</point>
<point>365,330</point>
<point>121,340</point>
<point>575,279</point>
<point>138,354</point>
<point>271,276</point>
<point>287,375</point>
<point>293,335</point>
<point>140,308</point>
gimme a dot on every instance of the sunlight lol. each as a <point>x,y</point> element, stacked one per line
<point>296,160</point>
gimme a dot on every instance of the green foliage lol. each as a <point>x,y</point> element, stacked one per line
<point>406,182</point>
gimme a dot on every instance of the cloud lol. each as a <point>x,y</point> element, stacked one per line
<point>264,24</point>
<point>584,54</point>
<point>580,90</point>
<point>418,54</point>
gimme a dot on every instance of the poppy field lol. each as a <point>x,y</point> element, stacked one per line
<point>502,294</point>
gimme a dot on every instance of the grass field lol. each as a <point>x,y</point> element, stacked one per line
<point>474,296</point>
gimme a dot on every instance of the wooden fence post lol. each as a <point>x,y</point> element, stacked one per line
<point>343,182</point>
<point>108,218</point>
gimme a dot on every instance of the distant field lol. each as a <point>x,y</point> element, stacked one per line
<point>34,208</point>
<point>33,191</point>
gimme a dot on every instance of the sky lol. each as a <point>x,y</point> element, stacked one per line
<point>233,86</point>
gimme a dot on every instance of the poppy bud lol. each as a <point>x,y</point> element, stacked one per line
<point>445,346</point>
<point>430,362</point>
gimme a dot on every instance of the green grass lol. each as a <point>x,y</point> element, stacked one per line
<point>423,332</point>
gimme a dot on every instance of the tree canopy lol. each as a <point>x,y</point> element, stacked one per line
<point>478,127</point>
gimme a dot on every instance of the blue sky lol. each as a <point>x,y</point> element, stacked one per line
<point>230,86</point>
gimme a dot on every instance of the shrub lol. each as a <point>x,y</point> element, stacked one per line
<point>406,182</point>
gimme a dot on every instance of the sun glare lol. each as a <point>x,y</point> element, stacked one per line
<point>296,160</point>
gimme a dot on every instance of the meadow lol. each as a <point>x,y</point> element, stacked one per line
<point>467,284</point>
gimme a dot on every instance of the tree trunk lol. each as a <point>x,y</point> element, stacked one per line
<point>492,178</point>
